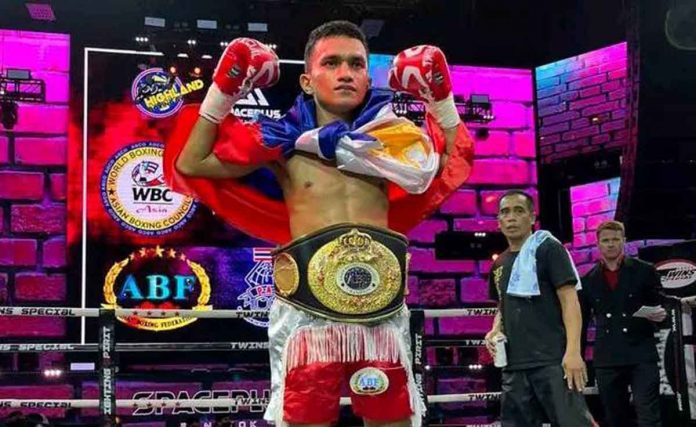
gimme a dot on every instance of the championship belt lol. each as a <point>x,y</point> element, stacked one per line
<point>346,272</point>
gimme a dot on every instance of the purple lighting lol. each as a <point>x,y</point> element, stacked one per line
<point>41,11</point>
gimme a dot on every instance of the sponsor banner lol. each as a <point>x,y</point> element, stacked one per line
<point>159,94</point>
<point>38,311</point>
<point>676,273</point>
<point>134,193</point>
<point>141,245</point>
<point>248,401</point>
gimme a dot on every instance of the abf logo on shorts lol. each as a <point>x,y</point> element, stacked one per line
<point>160,94</point>
<point>135,195</point>
<point>369,381</point>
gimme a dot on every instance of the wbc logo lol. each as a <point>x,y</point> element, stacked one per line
<point>134,193</point>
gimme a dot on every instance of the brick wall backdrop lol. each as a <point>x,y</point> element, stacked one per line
<point>581,104</point>
<point>32,186</point>
<point>592,204</point>
<point>32,203</point>
<point>504,159</point>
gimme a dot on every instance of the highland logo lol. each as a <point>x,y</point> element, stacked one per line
<point>159,94</point>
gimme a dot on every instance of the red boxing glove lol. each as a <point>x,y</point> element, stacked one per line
<point>422,71</point>
<point>245,64</point>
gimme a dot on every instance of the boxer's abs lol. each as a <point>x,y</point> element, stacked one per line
<point>318,195</point>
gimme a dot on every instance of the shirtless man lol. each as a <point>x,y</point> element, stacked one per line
<point>342,209</point>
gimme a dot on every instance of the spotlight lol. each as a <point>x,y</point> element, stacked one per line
<point>142,39</point>
<point>206,56</point>
<point>427,367</point>
<point>182,55</point>
<point>224,43</point>
<point>17,85</point>
<point>172,70</point>
<point>494,257</point>
<point>52,373</point>
<point>191,42</point>
<point>197,71</point>
<point>272,46</point>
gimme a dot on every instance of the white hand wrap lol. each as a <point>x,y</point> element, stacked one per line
<point>445,112</point>
<point>217,105</point>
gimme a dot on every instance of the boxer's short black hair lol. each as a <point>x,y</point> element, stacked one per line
<point>333,29</point>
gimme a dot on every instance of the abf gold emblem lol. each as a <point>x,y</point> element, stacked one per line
<point>156,278</point>
<point>354,274</point>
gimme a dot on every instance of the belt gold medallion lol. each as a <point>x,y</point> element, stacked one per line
<point>354,274</point>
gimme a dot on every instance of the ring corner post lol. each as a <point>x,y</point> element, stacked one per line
<point>108,366</point>
<point>417,326</point>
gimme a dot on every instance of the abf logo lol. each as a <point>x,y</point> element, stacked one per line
<point>135,195</point>
<point>369,381</point>
<point>259,295</point>
<point>157,278</point>
<point>254,104</point>
<point>159,94</point>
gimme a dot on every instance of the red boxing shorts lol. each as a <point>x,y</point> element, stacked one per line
<point>378,392</point>
<point>316,361</point>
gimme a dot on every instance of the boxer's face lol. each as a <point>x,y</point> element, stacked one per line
<point>337,75</point>
<point>611,244</point>
<point>515,218</point>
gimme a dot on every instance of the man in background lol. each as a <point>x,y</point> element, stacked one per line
<point>624,349</point>
<point>539,315</point>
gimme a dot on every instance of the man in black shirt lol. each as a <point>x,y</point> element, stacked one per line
<point>624,348</point>
<point>540,316</point>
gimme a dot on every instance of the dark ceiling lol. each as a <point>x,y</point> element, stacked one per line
<point>482,32</point>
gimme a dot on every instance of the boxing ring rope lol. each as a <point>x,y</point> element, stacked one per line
<point>135,347</point>
<point>204,314</point>
<point>127,312</point>
<point>459,312</point>
<point>106,347</point>
<point>204,403</point>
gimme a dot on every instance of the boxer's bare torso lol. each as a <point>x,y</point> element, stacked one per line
<point>318,195</point>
